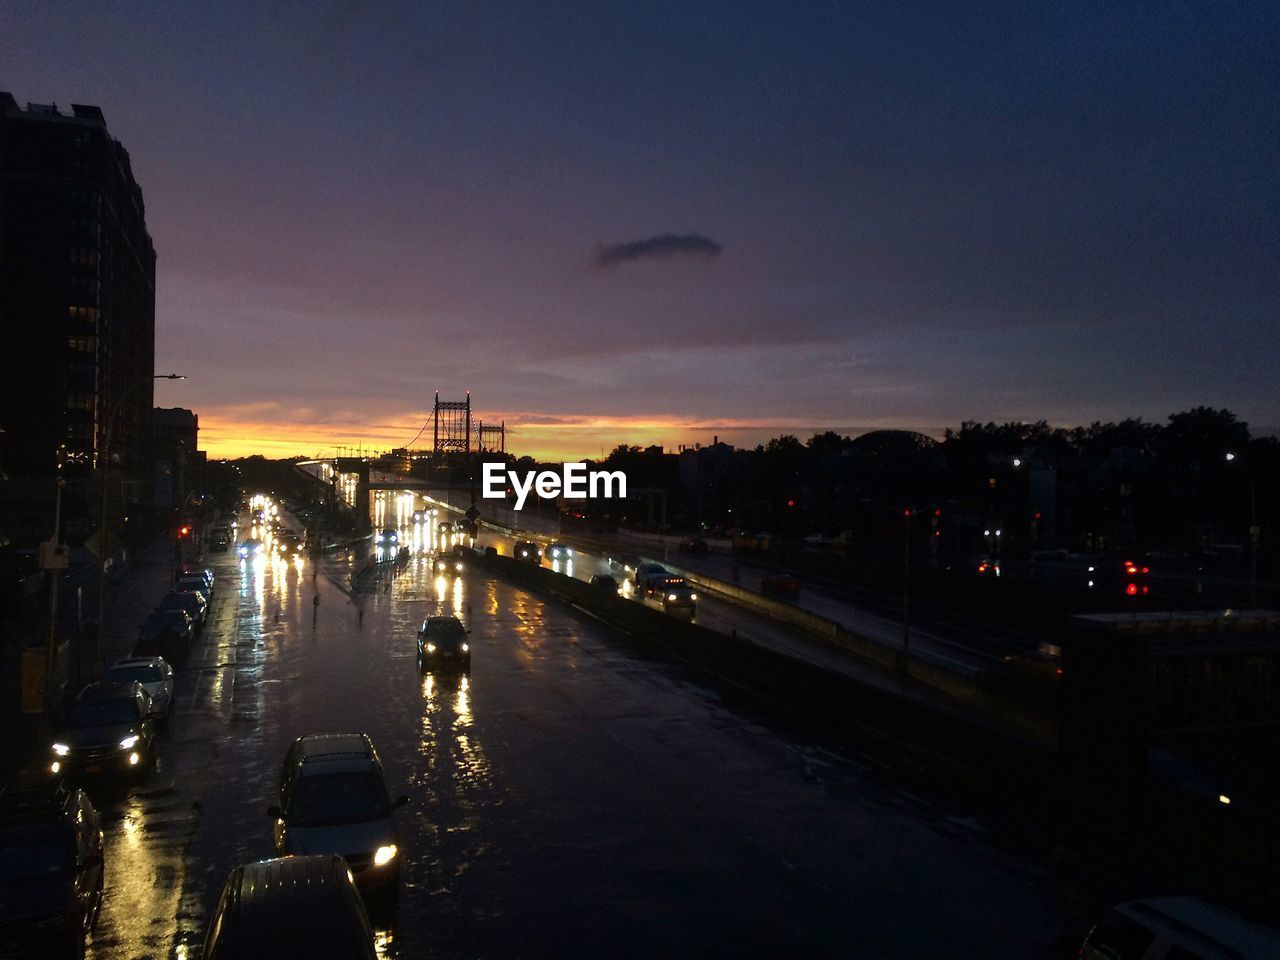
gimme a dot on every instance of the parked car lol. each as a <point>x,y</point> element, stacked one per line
<point>604,583</point>
<point>304,906</point>
<point>109,730</point>
<point>334,799</point>
<point>165,633</point>
<point>526,550</point>
<point>195,570</point>
<point>155,675</point>
<point>194,584</point>
<point>1178,927</point>
<point>51,871</point>
<point>442,642</point>
<point>780,585</point>
<point>193,603</point>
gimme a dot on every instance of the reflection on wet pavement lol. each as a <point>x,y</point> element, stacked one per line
<point>567,797</point>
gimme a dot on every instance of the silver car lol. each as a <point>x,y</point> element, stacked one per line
<point>334,799</point>
<point>155,675</point>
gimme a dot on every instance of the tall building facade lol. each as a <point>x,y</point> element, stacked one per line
<point>77,321</point>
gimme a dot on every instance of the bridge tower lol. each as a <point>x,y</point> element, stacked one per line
<point>491,439</point>
<point>451,425</point>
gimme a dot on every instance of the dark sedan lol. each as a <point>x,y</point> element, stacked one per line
<point>193,604</point>
<point>442,642</point>
<point>109,730</point>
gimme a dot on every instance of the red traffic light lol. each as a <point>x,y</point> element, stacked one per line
<point>791,503</point>
<point>184,531</point>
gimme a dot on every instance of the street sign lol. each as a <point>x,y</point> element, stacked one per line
<point>33,674</point>
<point>54,556</point>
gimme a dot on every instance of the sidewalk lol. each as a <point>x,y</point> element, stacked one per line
<point>130,596</point>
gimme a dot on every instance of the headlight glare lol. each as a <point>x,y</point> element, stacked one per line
<point>61,749</point>
<point>384,855</point>
<point>431,648</point>
<point>129,742</point>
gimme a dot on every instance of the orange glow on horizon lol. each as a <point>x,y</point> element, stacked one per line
<point>229,433</point>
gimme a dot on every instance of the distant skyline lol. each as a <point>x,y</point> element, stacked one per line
<point>654,223</point>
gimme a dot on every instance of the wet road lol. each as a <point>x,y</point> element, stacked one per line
<point>570,798</point>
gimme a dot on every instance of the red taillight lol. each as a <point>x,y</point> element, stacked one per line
<point>1131,589</point>
<point>1146,569</point>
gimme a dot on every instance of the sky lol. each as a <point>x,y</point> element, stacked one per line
<point>663,222</point>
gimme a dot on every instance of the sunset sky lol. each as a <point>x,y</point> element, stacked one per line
<point>655,223</point>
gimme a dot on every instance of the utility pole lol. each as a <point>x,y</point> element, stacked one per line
<point>53,559</point>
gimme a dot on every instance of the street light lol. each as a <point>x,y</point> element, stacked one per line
<point>1255,531</point>
<point>908,514</point>
<point>105,461</point>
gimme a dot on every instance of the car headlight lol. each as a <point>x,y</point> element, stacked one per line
<point>671,597</point>
<point>129,742</point>
<point>524,553</point>
<point>61,749</point>
<point>431,648</point>
<point>384,855</point>
<point>466,648</point>
<point>693,596</point>
<point>458,566</point>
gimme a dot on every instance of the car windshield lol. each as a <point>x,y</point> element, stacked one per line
<point>103,713</point>
<point>337,798</point>
<point>446,630</point>
<point>30,851</point>
<point>141,673</point>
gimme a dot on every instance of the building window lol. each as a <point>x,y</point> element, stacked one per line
<point>88,314</point>
<point>82,344</point>
<point>84,256</point>
<point>84,288</point>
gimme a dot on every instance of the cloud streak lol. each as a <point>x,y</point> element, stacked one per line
<point>656,248</point>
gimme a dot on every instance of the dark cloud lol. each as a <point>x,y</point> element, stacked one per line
<point>666,245</point>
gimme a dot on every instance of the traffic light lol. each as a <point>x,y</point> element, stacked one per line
<point>184,531</point>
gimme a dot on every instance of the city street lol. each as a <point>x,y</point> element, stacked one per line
<point>569,798</point>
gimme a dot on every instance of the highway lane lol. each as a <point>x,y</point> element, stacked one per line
<point>570,797</point>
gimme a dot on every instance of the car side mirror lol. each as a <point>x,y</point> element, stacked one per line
<point>400,801</point>
<point>276,812</point>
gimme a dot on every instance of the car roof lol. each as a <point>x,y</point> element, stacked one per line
<point>1209,923</point>
<point>321,753</point>
<point>287,890</point>
<point>34,804</point>
<point>110,690</point>
<point>140,662</point>
<point>440,621</point>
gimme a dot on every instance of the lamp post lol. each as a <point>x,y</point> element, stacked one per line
<point>1255,531</point>
<point>105,461</point>
<point>908,514</point>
